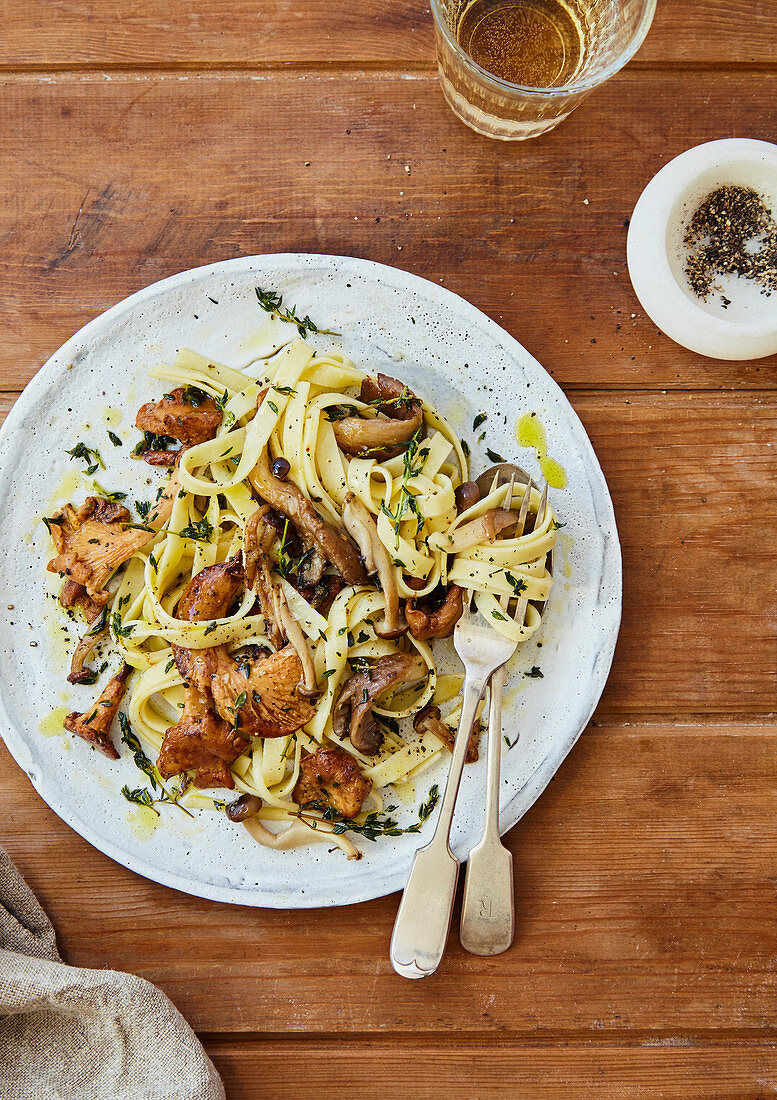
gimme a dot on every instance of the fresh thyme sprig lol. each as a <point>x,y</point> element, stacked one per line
<point>375,824</point>
<point>142,796</point>
<point>407,500</point>
<point>272,302</point>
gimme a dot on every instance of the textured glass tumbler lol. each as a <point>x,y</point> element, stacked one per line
<point>611,32</point>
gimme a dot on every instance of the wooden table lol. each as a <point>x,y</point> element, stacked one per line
<point>138,140</point>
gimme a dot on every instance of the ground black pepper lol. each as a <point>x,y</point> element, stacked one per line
<point>732,232</point>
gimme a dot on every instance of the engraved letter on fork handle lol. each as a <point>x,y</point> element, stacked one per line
<point>424,916</point>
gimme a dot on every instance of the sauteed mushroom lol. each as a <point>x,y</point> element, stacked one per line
<point>431,618</point>
<point>287,498</point>
<point>358,435</point>
<point>362,528</point>
<point>353,714</point>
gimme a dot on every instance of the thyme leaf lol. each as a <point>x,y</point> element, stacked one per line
<point>90,455</point>
<point>199,531</point>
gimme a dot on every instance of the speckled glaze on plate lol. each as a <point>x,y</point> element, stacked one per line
<point>449,352</point>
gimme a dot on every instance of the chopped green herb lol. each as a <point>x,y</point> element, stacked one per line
<point>142,507</point>
<point>481,418</point>
<point>228,416</point>
<point>340,412</point>
<point>535,673</point>
<point>89,455</point>
<point>519,584</point>
<point>556,526</point>
<point>493,455</point>
<point>194,396</point>
<point>375,824</point>
<point>152,442</point>
<point>210,628</point>
<point>273,406</point>
<point>114,439</point>
<point>117,629</point>
<point>199,531</point>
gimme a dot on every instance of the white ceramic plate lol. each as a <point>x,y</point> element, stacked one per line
<point>449,352</point>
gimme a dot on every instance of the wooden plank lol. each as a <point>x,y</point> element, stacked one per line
<point>167,33</point>
<point>645,880</point>
<point>274,1070</point>
<point>686,472</point>
<point>113,183</point>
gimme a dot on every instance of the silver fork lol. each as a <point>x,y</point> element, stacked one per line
<point>424,916</point>
<point>487,924</point>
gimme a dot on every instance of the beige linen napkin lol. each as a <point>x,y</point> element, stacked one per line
<point>96,1034</point>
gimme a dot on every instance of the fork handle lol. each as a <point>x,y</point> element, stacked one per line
<point>488,907</point>
<point>424,916</point>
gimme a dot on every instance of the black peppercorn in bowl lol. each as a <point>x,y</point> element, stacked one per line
<point>702,249</point>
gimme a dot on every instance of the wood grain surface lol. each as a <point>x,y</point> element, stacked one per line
<point>140,140</point>
<point>373,165</point>
<point>169,33</point>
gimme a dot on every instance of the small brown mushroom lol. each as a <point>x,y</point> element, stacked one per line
<point>186,413</point>
<point>504,471</point>
<point>95,723</point>
<point>79,672</point>
<point>428,720</point>
<point>331,776</point>
<point>248,805</point>
<point>466,495</point>
<point>431,618</point>
<point>363,530</point>
<point>358,435</point>
<point>353,712</point>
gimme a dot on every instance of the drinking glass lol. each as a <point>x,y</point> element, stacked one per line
<point>610,33</point>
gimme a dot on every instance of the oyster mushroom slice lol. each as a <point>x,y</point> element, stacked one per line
<point>287,498</point>
<point>362,528</point>
<point>79,672</point>
<point>308,685</point>
<point>486,528</point>
<point>353,713</point>
<point>356,435</point>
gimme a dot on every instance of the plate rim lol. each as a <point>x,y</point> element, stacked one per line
<point>379,884</point>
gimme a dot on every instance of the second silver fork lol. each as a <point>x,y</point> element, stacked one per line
<point>487,924</point>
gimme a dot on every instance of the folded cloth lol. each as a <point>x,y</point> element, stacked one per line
<point>96,1034</point>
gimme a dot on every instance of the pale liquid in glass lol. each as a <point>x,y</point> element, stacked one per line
<point>534,43</point>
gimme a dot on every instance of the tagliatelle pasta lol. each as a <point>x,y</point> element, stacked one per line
<point>266,507</point>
